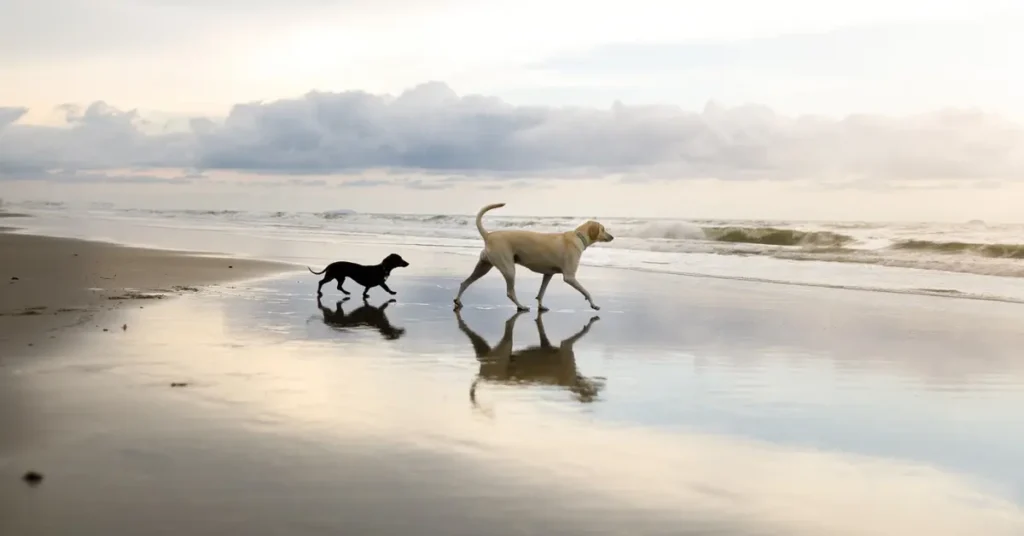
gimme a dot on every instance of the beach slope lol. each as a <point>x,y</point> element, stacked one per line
<point>51,284</point>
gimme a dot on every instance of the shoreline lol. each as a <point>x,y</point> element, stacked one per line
<point>295,242</point>
<point>53,285</point>
<point>257,412</point>
<point>263,410</point>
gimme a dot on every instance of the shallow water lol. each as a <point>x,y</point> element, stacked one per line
<point>874,263</point>
<point>692,406</point>
<point>910,378</point>
<point>687,408</point>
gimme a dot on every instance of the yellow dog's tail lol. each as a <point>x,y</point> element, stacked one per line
<point>480,215</point>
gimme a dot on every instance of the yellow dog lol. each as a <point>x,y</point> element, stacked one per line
<point>544,253</point>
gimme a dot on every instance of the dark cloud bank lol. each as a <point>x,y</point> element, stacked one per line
<point>431,129</point>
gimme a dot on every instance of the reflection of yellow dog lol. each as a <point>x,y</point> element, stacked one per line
<point>545,364</point>
<point>545,253</point>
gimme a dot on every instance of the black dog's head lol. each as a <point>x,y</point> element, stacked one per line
<point>394,261</point>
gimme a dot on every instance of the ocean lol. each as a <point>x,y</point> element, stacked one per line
<point>972,260</point>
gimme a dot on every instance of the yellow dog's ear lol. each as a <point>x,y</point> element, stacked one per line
<point>593,231</point>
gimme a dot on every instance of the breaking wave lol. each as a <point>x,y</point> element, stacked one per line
<point>670,231</point>
<point>771,236</point>
<point>334,214</point>
<point>767,236</point>
<point>971,247</point>
<point>1001,251</point>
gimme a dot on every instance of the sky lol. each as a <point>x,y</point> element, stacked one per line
<point>791,109</point>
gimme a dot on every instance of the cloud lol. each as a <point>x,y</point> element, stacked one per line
<point>431,129</point>
<point>900,65</point>
<point>364,183</point>
<point>316,183</point>
<point>98,137</point>
<point>420,184</point>
<point>79,177</point>
<point>9,115</point>
<point>892,49</point>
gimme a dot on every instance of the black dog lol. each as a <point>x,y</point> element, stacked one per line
<point>367,276</point>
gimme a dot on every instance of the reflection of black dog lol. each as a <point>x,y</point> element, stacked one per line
<point>366,315</point>
<point>545,364</point>
<point>367,276</point>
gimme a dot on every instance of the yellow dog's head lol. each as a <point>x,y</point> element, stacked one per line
<point>595,232</point>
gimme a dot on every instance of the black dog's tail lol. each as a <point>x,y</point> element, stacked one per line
<point>316,273</point>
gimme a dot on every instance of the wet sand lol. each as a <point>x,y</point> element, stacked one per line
<point>50,285</point>
<point>683,407</point>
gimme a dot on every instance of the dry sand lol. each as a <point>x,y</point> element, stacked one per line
<point>50,284</point>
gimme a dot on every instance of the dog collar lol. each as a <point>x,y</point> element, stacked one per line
<point>583,238</point>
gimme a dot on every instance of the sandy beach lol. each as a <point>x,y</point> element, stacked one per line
<point>780,260</point>
<point>685,406</point>
<point>51,284</point>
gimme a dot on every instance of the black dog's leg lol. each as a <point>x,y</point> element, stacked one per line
<point>320,287</point>
<point>341,281</point>
<point>385,287</point>
<point>366,292</point>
